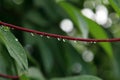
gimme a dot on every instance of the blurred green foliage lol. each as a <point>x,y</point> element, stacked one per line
<point>49,58</point>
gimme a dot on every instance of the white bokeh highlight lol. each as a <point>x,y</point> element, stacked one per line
<point>66,25</point>
<point>88,13</point>
<point>101,15</point>
<point>76,68</point>
<point>87,56</point>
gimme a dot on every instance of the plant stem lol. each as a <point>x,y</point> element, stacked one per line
<point>58,36</point>
<point>10,77</point>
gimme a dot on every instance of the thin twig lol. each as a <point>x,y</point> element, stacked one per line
<point>10,77</point>
<point>58,36</point>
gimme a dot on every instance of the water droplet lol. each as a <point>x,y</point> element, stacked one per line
<point>16,39</point>
<point>75,41</point>
<point>48,36</point>
<point>41,35</point>
<point>63,40</point>
<point>58,39</point>
<point>94,42</point>
<point>32,34</point>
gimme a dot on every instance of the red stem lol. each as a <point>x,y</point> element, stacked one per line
<point>59,36</point>
<point>52,35</point>
<point>10,77</point>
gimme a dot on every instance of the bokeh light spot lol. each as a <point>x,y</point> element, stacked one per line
<point>66,25</point>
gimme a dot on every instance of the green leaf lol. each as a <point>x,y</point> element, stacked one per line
<point>76,18</point>
<point>98,33</point>
<point>47,56</point>
<point>83,22</point>
<point>83,77</point>
<point>116,5</point>
<point>35,73</point>
<point>14,48</point>
<point>7,65</point>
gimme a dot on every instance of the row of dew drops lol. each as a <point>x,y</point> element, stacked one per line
<point>33,34</point>
<point>60,39</point>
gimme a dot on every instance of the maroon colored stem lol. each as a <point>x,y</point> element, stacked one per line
<point>10,77</point>
<point>59,36</point>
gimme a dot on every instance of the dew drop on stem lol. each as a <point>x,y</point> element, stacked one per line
<point>32,34</point>
<point>48,36</point>
<point>41,35</point>
<point>58,39</point>
<point>75,41</point>
<point>94,42</point>
<point>16,39</point>
<point>63,40</point>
